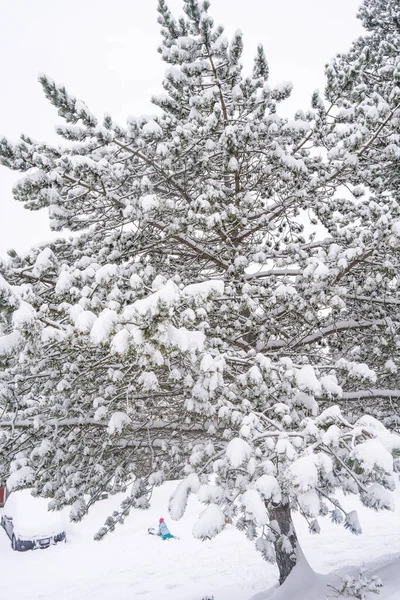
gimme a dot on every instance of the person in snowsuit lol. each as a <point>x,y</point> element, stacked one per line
<point>163,531</point>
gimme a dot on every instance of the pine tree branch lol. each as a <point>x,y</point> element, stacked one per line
<point>156,167</point>
<point>274,273</point>
<point>369,299</point>
<point>371,393</point>
<point>353,264</point>
<point>382,125</point>
<point>198,248</point>
<point>340,327</point>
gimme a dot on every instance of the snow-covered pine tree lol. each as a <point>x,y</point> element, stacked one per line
<point>360,586</point>
<point>202,322</point>
<point>363,86</point>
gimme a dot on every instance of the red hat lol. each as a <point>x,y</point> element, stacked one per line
<point>161,520</point>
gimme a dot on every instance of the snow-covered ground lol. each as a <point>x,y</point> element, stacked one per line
<point>131,564</point>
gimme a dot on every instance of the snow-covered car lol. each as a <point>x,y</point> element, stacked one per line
<point>29,524</point>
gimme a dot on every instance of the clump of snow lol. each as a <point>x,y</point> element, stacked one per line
<point>8,343</point>
<point>157,478</point>
<point>309,503</point>
<point>210,493</point>
<point>135,281</point>
<point>120,342</point>
<point>389,440</point>
<point>264,361</point>
<point>209,364</point>
<point>117,422</point>
<point>204,289</point>
<point>4,285</point>
<point>303,473</point>
<point>357,370</point>
<point>103,326</point>
<point>178,500</point>
<point>331,436</point>
<point>100,413</point>
<point>285,291</point>
<point>152,129</point>
<point>184,339</point>
<point>136,335</point>
<point>285,447</point>
<point>149,202</point>
<point>316,269</point>
<point>371,455</point>
<point>210,523</point>
<point>64,282</point>
<point>233,164</point>
<point>168,294</point>
<point>352,522</point>
<point>106,273</point>
<point>148,381</point>
<point>307,380</point>
<point>158,282</point>
<point>24,315</point>
<point>269,488</point>
<point>254,375</point>
<point>370,422</point>
<point>52,333</point>
<point>330,415</point>
<point>85,320</point>
<point>23,476</point>
<point>254,507</point>
<point>396,228</point>
<point>44,261</point>
<point>309,402</point>
<point>78,510</point>
<point>391,367</point>
<point>378,498</point>
<point>237,452</point>
<point>330,386</point>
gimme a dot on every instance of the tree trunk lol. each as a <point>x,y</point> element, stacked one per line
<point>286,543</point>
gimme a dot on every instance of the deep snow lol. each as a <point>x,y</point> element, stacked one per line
<point>131,564</point>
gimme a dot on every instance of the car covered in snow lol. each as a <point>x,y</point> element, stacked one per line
<point>29,524</point>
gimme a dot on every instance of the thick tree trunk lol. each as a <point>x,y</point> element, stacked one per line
<point>286,543</point>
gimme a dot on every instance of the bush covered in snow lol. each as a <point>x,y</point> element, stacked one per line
<point>359,586</point>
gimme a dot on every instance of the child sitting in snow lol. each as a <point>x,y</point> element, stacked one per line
<point>163,531</point>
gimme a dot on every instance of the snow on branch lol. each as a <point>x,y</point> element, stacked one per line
<point>340,326</point>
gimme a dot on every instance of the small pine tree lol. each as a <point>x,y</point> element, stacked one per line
<point>360,586</point>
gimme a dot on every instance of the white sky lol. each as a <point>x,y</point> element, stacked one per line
<point>106,54</point>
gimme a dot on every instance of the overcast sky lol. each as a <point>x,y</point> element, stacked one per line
<point>106,54</point>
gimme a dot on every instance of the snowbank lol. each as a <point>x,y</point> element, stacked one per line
<point>130,564</point>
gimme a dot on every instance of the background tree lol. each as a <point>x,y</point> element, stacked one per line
<point>363,87</point>
<point>214,307</point>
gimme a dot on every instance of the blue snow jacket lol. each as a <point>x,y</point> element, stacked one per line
<point>163,529</point>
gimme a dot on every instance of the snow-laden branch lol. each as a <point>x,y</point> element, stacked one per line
<point>379,300</point>
<point>81,422</point>
<point>371,393</point>
<point>198,248</point>
<point>354,263</point>
<point>339,327</point>
<point>274,273</point>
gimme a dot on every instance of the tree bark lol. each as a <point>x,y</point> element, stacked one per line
<point>286,543</point>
